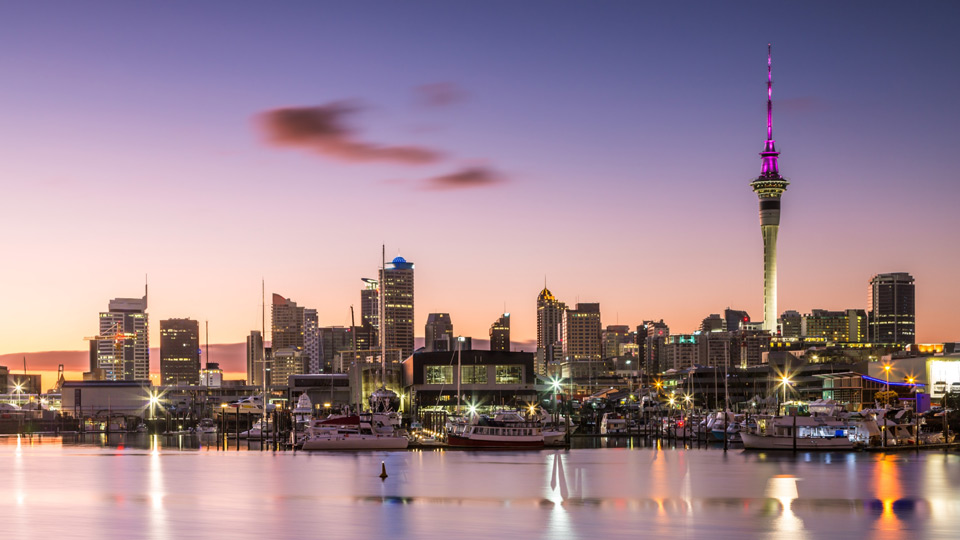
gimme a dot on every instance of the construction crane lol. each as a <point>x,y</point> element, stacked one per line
<point>117,335</point>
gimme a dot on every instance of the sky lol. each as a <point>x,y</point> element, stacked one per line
<point>605,148</point>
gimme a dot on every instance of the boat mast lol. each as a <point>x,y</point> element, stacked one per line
<point>383,313</point>
<point>263,346</point>
<point>459,372</point>
<point>356,362</point>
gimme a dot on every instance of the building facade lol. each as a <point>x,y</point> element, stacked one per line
<point>179,352</point>
<point>255,358</point>
<point>581,333</point>
<point>500,334</point>
<point>286,324</point>
<point>124,354</point>
<point>438,333</point>
<point>549,318</point>
<point>892,309</point>
<point>398,314</point>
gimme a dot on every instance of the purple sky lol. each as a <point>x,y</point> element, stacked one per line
<point>608,147</point>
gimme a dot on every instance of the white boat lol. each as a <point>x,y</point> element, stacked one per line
<point>613,424</point>
<point>257,432</point>
<point>303,412</point>
<point>248,405</point>
<point>207,425</point>
<point>352,433</point>
<point>812,433</point>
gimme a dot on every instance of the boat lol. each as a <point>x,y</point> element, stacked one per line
<point>207,425</point>
<point>613,424</point>
<point>257,432</point>
<point>248,405</point>
<point>303,412</point>
<point>812,433</point>
<point>354,432</point>
<point>505,431</point>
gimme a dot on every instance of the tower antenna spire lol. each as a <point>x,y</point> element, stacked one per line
<point>769,96</point>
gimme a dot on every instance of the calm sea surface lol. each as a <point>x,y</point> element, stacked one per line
<point>146,487</point>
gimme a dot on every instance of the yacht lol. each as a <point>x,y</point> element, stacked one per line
<point>613,424</point>
<point>354,432</point>
<point>812,433</point>
<point>207,425</point>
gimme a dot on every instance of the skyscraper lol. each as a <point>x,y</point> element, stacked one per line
<point>286,324</point>
<point>397,324</point>
<point>311,342</point>
<point>370,303</point>
<point>126,355</point>
<point>500,334</point>
<point>769,187</point>
<point>180,352</point>
<point>549,317</point>
<point>581,332</point>
<point>891,308</point>
<point>438,333</point>
<point>255,358</point>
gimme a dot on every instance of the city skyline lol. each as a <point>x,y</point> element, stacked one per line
<point>614,163</point>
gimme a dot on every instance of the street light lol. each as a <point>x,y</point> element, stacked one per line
<point>886,372</point>
<point>785,381</point>
<point>18,388</point>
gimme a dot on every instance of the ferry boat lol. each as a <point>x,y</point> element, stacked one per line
<point>505,431</point>
<point>812,433</point>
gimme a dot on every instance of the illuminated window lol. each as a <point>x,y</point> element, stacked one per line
<point>473,374</point>
<point>439,375</point>
<point>509,374</point>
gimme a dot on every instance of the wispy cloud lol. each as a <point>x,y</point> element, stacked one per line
<point>323,129</point>
<point>470,177</point>
<point>440,94</point>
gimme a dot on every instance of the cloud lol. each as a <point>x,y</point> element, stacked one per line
<point>440,94</point>
<point>470,177</point>
<point>323,129</point>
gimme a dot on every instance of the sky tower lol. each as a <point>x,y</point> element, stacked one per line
<point>769,187</point>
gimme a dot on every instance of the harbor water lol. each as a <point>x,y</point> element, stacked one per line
<point>180,487</point>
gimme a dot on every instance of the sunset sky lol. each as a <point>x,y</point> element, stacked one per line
<point>607,147</point>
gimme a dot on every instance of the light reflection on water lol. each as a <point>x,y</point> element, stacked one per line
<point>168,488</point>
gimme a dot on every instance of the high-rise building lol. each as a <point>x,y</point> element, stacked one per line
<point>311,342</point>
<point>438,333</point>
<point>734,319</point>
<point>769,187</point>
<point>370,303</point>
<point>500,334</point>
<point>549,318</point>
<point>791,325</point>
<point>125,356</point>
<point>286,324</point>
<point>656,333</point>
<point>581,332</point>
<point>891,308</point>
<point>179,352</point>
<point>255,358</point>
<point>835,326</point>
<point>397,324</point>
<point>333,340</point>
<point>613,339</point>
<point>712,323</point>
<point>680,351</point>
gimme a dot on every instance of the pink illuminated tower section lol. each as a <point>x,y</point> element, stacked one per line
<point>769,187</point>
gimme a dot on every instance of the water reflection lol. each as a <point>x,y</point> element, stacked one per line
<point>171,487</point>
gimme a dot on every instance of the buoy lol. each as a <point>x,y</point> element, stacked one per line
<point>383,471</point>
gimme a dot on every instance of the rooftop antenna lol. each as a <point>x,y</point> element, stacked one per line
<point>207,340</point>
<point>769,95</point>
<point>146,290</point>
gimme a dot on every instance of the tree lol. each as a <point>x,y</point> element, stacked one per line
<point>887,397</point>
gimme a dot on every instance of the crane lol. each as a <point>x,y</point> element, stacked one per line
<point>117,335</point>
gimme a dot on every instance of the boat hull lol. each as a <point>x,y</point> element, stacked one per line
<point>758,442</point>
<point>356,443</point>
<point>470,442</point>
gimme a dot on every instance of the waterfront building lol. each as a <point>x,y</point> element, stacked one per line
<point>500,334</point>
<point>311,342</point>
<point>488,379</point>
<point>211,375</point>
<point>124,354</point>
<point>255,358</point>
<point>791,325</point>
<point>581,332</point>
<point>438,333</point>
<point>286,324</point>
<point>397,325</point>
<point>549,318</point>
<point>769,187</point>
<point>179,352</point>
<point>891,308</point>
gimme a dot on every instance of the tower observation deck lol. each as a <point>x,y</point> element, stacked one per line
<point>769,187</point>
